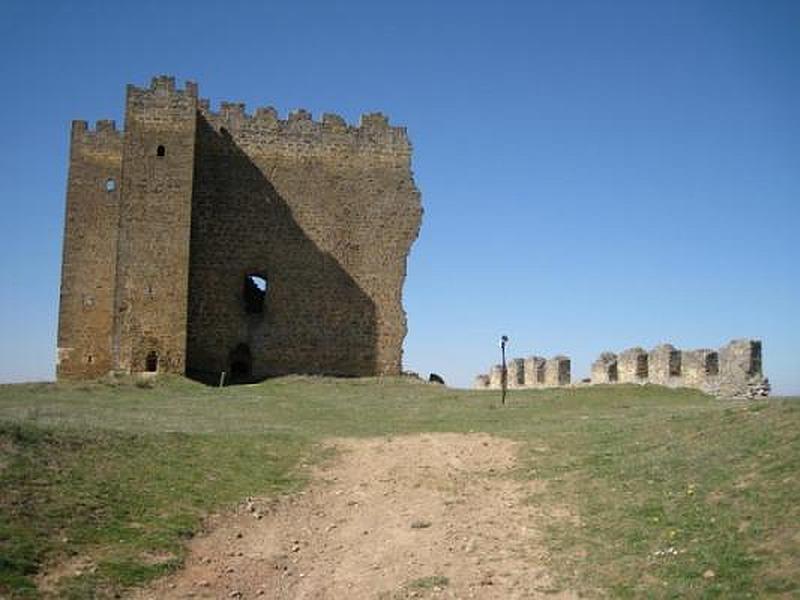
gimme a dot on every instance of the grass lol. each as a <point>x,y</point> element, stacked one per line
<point>651,492</point>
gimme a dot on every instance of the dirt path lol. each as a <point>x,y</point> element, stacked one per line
<point>425,516</point>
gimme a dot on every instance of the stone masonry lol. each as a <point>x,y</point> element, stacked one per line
<point>533,371</point>
<point>516,373</point>
<point>200,242</point>
<point>604,369</point>
<point>733,371</point>
<point>632,366</point>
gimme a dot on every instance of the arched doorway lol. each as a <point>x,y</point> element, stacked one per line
<point>240,364</point>
<point>151,362</point>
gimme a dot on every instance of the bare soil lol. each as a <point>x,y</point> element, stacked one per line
<point>423,516</point>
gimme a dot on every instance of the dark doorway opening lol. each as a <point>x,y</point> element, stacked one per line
<point>151,362</point>
<point>240,364</point>
<point>254,293</point>
<point>712,363</point>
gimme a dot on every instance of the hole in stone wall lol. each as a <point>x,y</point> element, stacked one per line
<point>111,185</point>
<point>712,363</point>
<point>612,372</point>
<point>675,363</point>
<point>540,371</point>
<point>161,151</point>
<point>151,362</point>
<point>642,369</point>
<point>254,293</point>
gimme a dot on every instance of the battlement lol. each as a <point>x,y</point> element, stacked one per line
<point>530,372</point>
<point>373,128</point>
<point>162,96</point>
<point>733,371</point>
<point>164,85</point>
<point>104,132</point>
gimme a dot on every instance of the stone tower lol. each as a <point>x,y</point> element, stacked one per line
<point>200,242</point>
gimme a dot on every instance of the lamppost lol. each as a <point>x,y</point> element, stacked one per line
<point>504,372</point>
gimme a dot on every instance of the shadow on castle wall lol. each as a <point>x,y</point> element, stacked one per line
<point>315,318</point>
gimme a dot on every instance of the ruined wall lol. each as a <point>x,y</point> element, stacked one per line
<point>557,371</point>
<point>632,366</point>
<point>664,364</point>
<point>530,372</point>
<point>326,214</point>
<point>733,371</point>
<point>604,369</point>
<point>516,373</point>
<point>740,370</point>
<point>496,377</point>
<point>86,310</point>
<point>534,370</point>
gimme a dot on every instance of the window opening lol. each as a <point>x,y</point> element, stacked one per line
<point>161,151</point>
<point>255,293</point>
<point>151,363</point>
<point>111,185</point>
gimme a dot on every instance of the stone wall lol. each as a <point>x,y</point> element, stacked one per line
<point>321,212</point>
<point>733,371</point>
<point>557,371</point>
<point>88,271</point>
<point>535,370</point>
<point>632,366</point>
<point>604,369</point>
<point>154,227</point>
<point>530,372</point>
<point>664,364</point>
<point>516,373</point>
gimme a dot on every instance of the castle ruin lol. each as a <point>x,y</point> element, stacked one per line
<point>733,371</point>
<point>203,242</point>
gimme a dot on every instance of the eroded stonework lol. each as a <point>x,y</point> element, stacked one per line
<point>733,371</point>
<point>205,242</point>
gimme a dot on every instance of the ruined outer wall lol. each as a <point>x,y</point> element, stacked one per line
<point>86,310</point>
<point>326,213</point>
<point>155,213</point>
<point>604,369</point>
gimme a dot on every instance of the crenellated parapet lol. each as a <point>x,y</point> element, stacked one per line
<point>633,366</point>
<point>104,137</point>
<point>163,86</point>
<point>531,372</point>
<point>330,133</point>
<point>733,371</point>
<point>605,369</point>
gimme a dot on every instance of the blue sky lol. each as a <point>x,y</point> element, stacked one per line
<point>595,175</point>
